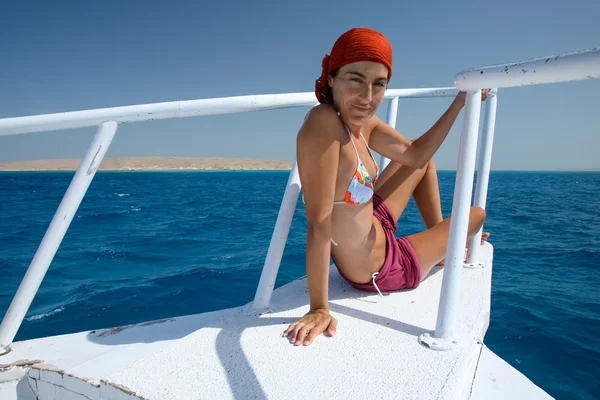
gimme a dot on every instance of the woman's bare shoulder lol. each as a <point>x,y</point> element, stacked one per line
<point>322,119</point>
<point>371,124</point>
<point>322,111</point>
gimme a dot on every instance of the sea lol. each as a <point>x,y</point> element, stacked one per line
<point>150,245</point>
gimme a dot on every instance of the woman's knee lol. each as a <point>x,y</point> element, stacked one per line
<point>430,165</point>
<point>478,215</point>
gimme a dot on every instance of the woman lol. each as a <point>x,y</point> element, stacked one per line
<point>351,207</point>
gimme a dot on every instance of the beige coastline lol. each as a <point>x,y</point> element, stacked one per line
<point>151,164</point>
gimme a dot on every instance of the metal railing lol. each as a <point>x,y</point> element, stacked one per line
<point>268,276</point>
<point>108,120</point>
<point>580,65</point>
<point>561,68</point>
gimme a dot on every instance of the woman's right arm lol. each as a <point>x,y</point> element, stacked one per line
<point>317,155</point>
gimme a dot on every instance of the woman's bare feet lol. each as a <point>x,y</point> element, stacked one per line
<point>484,237</point>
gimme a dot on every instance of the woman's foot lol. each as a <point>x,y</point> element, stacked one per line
<point>484,237</point>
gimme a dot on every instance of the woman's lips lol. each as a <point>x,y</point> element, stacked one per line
<point>361,110</point>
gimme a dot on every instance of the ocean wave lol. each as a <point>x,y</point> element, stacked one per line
<point>222,258</point>
<point>45,315</point>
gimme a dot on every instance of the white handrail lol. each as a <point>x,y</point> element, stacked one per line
<point>392,115</point>
<point>448,311</point>
<point>108,120</point>
<point>551,69</point>
<point>559,68</point>
<point>483,174</point>
<point>268,276</point>
<point>181,109</point>
<point>55,234</point>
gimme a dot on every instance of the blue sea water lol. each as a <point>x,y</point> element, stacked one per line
<point>150,245</point>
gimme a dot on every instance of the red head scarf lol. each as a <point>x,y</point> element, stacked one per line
<point>358,44</point>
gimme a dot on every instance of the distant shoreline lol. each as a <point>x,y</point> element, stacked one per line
<point>152,164</point>
<point>183,164</point>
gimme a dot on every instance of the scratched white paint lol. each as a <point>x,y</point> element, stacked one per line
<point>45,390</point>
<point>180,109</point>
<point>81,387</point>
<point>551,69</point>
<point>52,377</point>
<point>38,389</point>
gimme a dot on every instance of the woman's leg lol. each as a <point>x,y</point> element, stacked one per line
<point>431,245</point>
<point>427,197</point>
<point>398,182</point>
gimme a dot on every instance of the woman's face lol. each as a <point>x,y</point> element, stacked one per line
<point>358,89</point>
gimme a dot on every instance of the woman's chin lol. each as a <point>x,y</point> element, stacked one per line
<point>360,119</point>
<point>356,118</point>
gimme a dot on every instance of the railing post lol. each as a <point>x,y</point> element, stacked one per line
<point>278,240</point>
<point>483,174</point>
<point>391,120</point>
<point>446,336</point>
<point>55,233</point>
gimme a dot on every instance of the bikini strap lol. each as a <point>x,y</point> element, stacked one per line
<point>352,140</point>
<point>364,140</point>
<point>367,144</point>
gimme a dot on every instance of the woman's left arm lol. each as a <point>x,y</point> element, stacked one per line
<point>390,143</point>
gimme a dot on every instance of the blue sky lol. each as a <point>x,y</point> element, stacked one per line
<point>69,56</point>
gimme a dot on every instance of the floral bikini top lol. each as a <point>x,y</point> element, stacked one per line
<point>360,190</point>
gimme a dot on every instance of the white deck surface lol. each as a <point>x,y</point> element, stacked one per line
<point>497,380</point>
<point>239,354</point>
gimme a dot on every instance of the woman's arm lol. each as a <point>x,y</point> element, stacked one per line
<point>317,155</point>
<point>388,142</point>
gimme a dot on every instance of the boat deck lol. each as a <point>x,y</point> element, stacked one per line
<point>239,353</point>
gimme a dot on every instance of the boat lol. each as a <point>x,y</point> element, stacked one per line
<point>426,343</point>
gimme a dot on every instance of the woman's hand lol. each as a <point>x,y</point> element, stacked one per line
<point>461,96</point>
<point>310,326</point>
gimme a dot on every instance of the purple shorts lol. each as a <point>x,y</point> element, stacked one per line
<point>401,269</point>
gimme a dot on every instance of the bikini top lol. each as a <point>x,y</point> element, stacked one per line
<point>360,190</point>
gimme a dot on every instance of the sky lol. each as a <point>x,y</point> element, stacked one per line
<point>73,55</point>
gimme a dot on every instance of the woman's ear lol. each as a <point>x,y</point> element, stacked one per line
<point>330,80</point>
